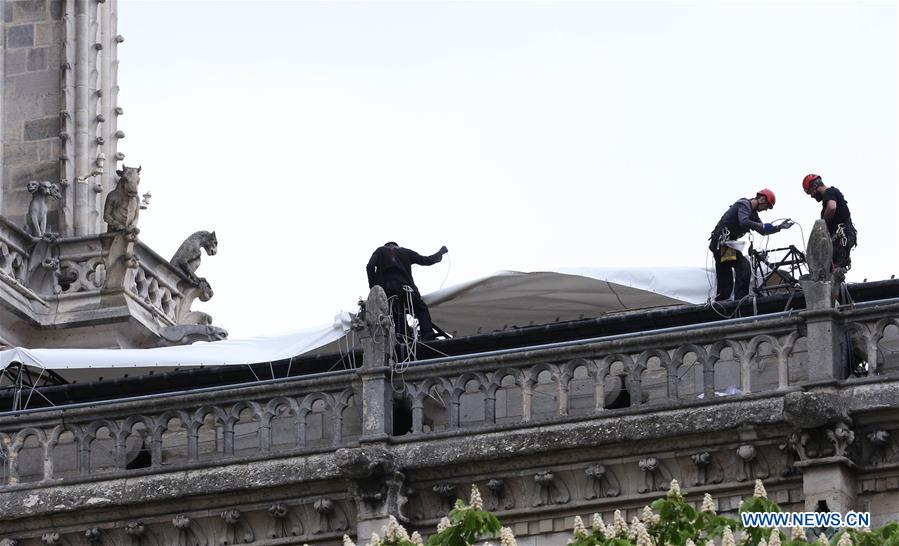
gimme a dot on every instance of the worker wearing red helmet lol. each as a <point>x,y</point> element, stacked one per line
<point>732,269</point>
<point>835,212</point>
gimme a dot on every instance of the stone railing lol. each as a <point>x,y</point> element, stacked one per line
<point>213,426</point>
<point>596,377</point>
<point>874,332</point>
<point>14,254</point>
<point>75,271</point>
<point>653,371</point>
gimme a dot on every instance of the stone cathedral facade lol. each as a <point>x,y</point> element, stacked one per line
<point>550,423</point>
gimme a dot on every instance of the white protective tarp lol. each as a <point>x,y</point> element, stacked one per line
<point>496,302</point>
<point>510,299</point>
<point>268,348</point>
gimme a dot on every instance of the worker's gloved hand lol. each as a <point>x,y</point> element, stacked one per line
<point>786,224</point>
<point>443,249</point>
<point>768,228</point>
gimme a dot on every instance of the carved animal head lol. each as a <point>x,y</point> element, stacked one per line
<point>129,178</point>
<point>206,292</point>
<point>210,244</point>
<point>33,186</point>
<point>48,188</point>
<point>217,334</point>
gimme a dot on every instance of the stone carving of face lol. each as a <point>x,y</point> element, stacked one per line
<point>211,245</point>
<point>129,177</point>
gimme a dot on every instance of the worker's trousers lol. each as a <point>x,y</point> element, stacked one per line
<point>400,305</point>
<point>732,277</point>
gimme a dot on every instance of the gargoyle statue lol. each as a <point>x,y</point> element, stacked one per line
<point>41,193</point>
<point>187,257</point>
<point>185,334</point>
<point>123,204</point>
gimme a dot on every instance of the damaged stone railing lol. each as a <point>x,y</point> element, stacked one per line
<point>215,426</point>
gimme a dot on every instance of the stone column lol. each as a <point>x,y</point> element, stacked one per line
<point>376,485</point>
<point>825,339</point>
<point>375,327</point>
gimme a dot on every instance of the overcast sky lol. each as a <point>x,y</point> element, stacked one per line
<point>523,136</point>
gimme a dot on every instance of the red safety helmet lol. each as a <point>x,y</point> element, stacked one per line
<point>769,195</point>
<point>809,180</point>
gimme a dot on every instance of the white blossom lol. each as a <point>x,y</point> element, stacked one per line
<point>640,534</point>
<point>375,540</point>
<point>599,526</point>
<point>708,504</point>
<point>347,541</point>
<point>774,540</point>
<point>579,529</point>
<point>760,492</point>
<point>845,540</point>
<point>822,540</point>
<point>393,531</point>
<point>476,502</point>
<point>763,542</point>
<point>649,517</point>
<point>619,525</point>
<point>416,539</point>
<point>797,533</point>
<point>689,542</point>
<point>506,537</point>
<point>443,524</point>
<point>674,491</point>
<point>728,538</point>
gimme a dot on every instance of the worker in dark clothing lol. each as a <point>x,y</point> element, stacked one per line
<point>390,267</point>
<point>835,213</point>
<point>730,264</point>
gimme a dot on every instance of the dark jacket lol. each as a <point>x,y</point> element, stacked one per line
<point>390,267</point>
<point>738,220</point>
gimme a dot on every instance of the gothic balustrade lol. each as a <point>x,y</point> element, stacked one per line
<point>874,336</point>
<point>648,371</point>
<point>704,365</point>
<point>15,247</point>
<point>180,430</point>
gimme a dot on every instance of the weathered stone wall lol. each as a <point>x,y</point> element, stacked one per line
<point>32,101</point>
<point>59,108</point>
<point>306,460</point>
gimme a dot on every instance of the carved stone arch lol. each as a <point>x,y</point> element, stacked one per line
<point>496,379</point>
<point>881,326</point>
<point>90,431</point>
<point>684,350</point>
<point>58,431</point>
<point>531,373</point>
<point>425,387</point>
<point>863,330</point>
<point>311,398</point>
<point>610,359</point>
<point>463,379</point>
<point>128,425</point>
<point>788,344</point>
<point>661,354</point>
<point>196,420</point>
<point>18,439</point>
<point>718,346</point>
<point>575,363</point>
<point>236,409</point>
<point>342,399</point>
<point>753,346</point>
<point>271,408</point>
<point>162,423</point>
